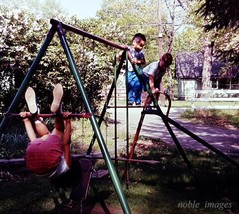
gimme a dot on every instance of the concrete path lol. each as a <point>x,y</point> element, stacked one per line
<point>226,140</point>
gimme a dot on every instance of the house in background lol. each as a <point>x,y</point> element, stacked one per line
<point>189,67</point>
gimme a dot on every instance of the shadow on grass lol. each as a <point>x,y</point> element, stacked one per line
<point>166,188</point>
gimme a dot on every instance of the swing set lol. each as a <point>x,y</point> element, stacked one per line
<point>60,28</point>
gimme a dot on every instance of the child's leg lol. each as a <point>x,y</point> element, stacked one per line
<point>30,97</point>
<point>57,96</point>
<point>130,91</point>
<point>55,107</point>
<point>138,92</point>
<point>40,126</point>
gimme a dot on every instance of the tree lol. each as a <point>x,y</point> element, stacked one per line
<point>221,19</point>
<point>43,10</point>
<point>22,35</point>
<point>220,13</point>
<point>134,16</point>
<point>207,65</point>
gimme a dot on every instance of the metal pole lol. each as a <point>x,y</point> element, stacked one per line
<point>160,35</point>
<point>107,102</point>
<point>105,153</point>
<point>86,34</point>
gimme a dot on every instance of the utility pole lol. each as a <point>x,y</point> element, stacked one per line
<point>160,48</point>
<point>160,35</point>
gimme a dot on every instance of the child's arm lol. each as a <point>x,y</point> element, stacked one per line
<point>138,61</point>
<point>151,84</point>
<point>142,61</point>
<point>67,138</point>
<point>120,55</point>
<point>28,126</point>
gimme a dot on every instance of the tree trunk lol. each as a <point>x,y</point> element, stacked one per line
<point>207,65</point>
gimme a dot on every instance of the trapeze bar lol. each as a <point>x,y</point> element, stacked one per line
<point>78,115</point>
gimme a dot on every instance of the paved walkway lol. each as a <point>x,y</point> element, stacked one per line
<point>226,140</point>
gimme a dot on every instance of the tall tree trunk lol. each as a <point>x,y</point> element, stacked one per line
<point>171,6</point>
<point>207,65</point>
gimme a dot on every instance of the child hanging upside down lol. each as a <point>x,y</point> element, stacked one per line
<point>47,155</point>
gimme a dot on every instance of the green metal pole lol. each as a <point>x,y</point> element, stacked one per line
<point>28,77</point>
<point>76,74</point>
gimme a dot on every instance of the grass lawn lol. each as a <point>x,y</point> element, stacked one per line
<point>163,188</point>
<point>166,187</point>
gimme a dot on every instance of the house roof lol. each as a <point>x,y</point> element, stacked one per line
<point>189,65</point>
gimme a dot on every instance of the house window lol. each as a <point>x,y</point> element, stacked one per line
<point>215,84</point>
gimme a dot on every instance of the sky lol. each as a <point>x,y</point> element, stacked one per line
<point>81,8</point>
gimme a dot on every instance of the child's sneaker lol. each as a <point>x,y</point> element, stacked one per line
<point>30,97</point>
<point>57,95</point>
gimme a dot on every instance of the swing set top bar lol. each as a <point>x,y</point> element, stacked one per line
<point>86,34</point>
<point>78,115</point>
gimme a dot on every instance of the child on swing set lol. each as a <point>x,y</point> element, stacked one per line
<point>153,74</point>
<point>49,154</point>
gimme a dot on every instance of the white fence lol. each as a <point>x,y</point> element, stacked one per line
<point>215,99</point>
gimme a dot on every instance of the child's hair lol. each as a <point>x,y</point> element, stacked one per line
<point>167,58</point>
<point>138,37</point>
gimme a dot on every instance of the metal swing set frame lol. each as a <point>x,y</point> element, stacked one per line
<point>60,28</point>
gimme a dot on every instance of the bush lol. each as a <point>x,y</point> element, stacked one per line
<point>13,143</point>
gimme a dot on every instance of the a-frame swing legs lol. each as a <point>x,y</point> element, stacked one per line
<point>95,126</point>
<point>140,123</point>
<point>168,120</point>
<point>164,118</point>
<point>56,26</point>
<point>136,136</point>
<point>27,78</point>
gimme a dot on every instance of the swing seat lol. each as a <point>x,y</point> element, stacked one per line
<point>98,174</point>
<point>80,192</point>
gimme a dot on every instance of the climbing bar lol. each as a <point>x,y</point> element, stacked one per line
<point>78,115</point>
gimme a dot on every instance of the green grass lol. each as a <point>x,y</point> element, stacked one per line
<point>161,188</point>
<point>214,117</point>
<point>156,188</point>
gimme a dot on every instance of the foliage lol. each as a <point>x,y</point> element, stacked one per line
<point>221,13</point>
<point>43,9</point>
<point>187,41</point>
<point>226,45</point>
<point>132,17</point>
<point>13,143</point>
<point>22,36</point>
<point>222,29</point>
